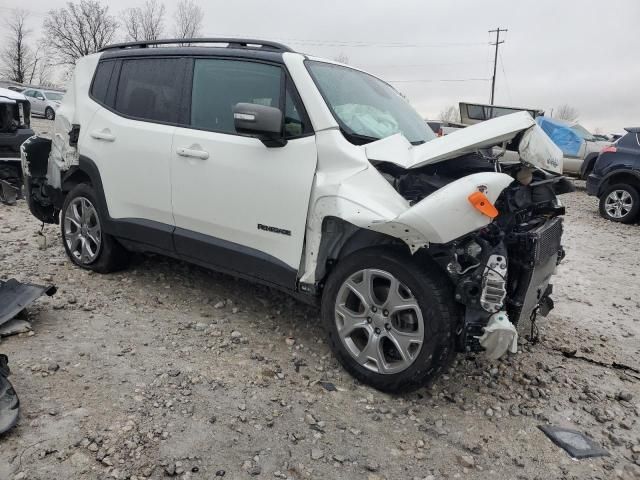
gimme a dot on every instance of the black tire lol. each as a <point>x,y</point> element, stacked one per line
<point>49,113</point>
<point>631,214</point>
<point>110,256</point>
<point>435,298</point>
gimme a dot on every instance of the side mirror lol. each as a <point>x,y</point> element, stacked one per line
<point>260,121</point>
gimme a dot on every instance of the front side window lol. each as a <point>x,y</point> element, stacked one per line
<point>218,85</point>
<point>150,89</point>
<point>583,133</point>
<point>366,108</point>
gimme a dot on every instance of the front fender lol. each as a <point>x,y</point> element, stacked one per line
<point>446,214</point>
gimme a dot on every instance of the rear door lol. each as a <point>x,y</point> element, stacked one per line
<point>238,204</point>
<point>130,141</point>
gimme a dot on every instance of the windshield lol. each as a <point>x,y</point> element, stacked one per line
<point>583,133</point>
<point>53,96</point>
<point>366,108</point>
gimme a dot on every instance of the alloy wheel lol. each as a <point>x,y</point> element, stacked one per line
<point>618,203</point>
<point>379,321</point>
<point>82,232</point>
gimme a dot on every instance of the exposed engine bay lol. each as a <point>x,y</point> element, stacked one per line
<point>503,269</point>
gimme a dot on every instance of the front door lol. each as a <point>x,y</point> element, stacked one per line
<point>239,205</point>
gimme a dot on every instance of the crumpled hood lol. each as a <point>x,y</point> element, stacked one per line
<point>535,147</point>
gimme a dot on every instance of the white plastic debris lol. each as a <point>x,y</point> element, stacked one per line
<point>500,336</point>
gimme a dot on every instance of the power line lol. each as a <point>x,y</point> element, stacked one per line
<point>495,59</point>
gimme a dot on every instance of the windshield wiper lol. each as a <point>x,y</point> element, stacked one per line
<point>358,139</point>
<point>418,142</point>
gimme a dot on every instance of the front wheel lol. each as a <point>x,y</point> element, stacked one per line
<point>390,321</point>
<point>49,114</point>
<point>86,243</point>
<point>620,203</point>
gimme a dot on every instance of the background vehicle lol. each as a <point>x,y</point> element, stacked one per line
<point>14,130</point>
<point>579,146</point>
<point>615,179</point>
<point>472,113</point>
<point>44,102</point>
<point>312,177</point>
<point>444,127</point>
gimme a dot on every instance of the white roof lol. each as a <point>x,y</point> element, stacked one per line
<point>5,94</point>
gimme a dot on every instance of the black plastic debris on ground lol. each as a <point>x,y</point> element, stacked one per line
<point>328,386</point>
<point>575,443</point>
<point>16,296</point>
<point>9,402</point>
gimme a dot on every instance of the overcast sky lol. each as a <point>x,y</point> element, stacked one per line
<point>581,52</point>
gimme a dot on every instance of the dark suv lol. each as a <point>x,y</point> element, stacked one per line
<point>615,179</point>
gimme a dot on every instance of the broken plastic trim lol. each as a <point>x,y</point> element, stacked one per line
<point>16,296</point>
<point>9,401</point>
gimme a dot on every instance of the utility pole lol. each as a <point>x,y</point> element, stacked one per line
<point>495,60</point>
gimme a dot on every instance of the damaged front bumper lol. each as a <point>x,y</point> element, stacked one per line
<point>503,275</point>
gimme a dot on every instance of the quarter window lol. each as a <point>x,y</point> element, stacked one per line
<point>295,122</point>
<point>150,89</point>
<point>101,81</point>
<point>218,85</point>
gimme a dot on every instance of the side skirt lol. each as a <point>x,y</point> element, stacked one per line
<point>209,252</point>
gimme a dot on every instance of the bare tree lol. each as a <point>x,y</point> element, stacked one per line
<point>18,58</point>
<point>146,22</point>
<point>567,112</point>
<point>450,114</point>
<point>79,29</point>
<point>188,19</point>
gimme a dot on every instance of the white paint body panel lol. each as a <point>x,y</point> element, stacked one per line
<point>9,96</point>
<point>135,174</point>
<point>242,184</point>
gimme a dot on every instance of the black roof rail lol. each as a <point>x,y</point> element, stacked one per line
<point>232,43</point>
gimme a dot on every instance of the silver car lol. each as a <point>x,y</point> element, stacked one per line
<point>43,102</point>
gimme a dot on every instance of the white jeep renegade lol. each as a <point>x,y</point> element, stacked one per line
<point>312,177</point>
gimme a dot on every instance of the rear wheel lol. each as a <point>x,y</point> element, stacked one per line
<point>620,203</point>
<point>390,321</point>
<point>85,242</point>
<point>49,114</point>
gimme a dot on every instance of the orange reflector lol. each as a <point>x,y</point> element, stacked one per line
<point>481,203</point>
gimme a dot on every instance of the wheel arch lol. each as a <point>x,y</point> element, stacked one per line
<point>628,177</point>
<point>588,164</point>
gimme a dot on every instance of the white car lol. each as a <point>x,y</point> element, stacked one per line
<point>312,177</point>
<point>44,102</point>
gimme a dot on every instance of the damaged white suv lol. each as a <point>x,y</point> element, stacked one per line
<point>312,177</point>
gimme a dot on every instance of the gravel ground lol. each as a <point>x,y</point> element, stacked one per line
<point>170,370</point>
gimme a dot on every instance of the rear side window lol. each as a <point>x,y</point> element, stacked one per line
<point>630,140</point>
<point>150,89</point>
<point>101,81</point>
<point>219,84</point>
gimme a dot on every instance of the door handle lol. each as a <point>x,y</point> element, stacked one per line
<point>192,153</point>
<point>103,135</point>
